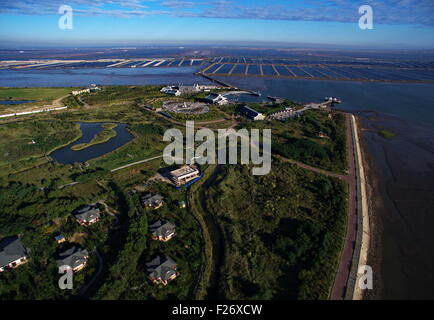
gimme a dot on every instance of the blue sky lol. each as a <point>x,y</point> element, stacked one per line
<point>397,23</point>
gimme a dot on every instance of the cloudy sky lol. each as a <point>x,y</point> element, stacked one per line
<point>397,23</point>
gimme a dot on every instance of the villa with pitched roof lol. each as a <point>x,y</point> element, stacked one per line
<point>152,201</point>
<point>74,258</point>
<point>87,215</point>
<point>12,253</point>
<point>162,231</point>
<point>162,270</point>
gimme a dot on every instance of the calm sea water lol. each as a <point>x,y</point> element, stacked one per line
<point>102,76</point>
<point>407,101</point>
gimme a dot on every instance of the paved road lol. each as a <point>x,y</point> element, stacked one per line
<point>340,285</point>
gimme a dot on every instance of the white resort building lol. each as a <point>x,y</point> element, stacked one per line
<point>183,175</point>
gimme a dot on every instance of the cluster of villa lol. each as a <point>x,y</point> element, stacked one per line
<point>284,115</point>
<point>162,269</point>
<point>13,253</point>
<point>76,258</point>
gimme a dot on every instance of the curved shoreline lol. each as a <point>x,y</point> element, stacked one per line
<point>107,128</point>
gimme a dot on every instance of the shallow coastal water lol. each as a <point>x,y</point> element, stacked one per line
<point>12,102</point>
<point>66,155</point>
<point>102,76</point>
<point>401,170</point>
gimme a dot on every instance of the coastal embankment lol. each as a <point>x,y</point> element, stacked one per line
<point>360,257</point>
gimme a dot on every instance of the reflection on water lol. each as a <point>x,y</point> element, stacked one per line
<point>66,155</point>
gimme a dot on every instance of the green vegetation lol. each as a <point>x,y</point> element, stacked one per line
<point>29,141</point>
<point>282,232</point>
<point>105,135</point>
<point>39,214</point>
<point>120,94</point>
<point>71,101</point>
<point>213,114</point>
<point>386,134</point>
<point>38,94</point>
<point>127,277</point>
<point>299,139</point>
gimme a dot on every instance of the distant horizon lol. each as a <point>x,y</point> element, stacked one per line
<point>220,45</point>
<point>397,25</point>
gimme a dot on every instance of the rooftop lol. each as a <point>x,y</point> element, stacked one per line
<point>73,257</point>
<point>11,249</point>
<point>161,267</point>
<point>181,172</point>
<point>162,229</point>
<point>86,213</point>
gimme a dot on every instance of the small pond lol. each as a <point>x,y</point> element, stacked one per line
<point>66,155</point>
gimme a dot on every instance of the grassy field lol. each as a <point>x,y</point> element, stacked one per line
<point>300,139</point>
<point>38,94</point>
<point>30,141</point>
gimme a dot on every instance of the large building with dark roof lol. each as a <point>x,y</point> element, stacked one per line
<point>251,113</point>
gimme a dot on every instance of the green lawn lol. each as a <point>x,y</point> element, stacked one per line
<point>38,94</point>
